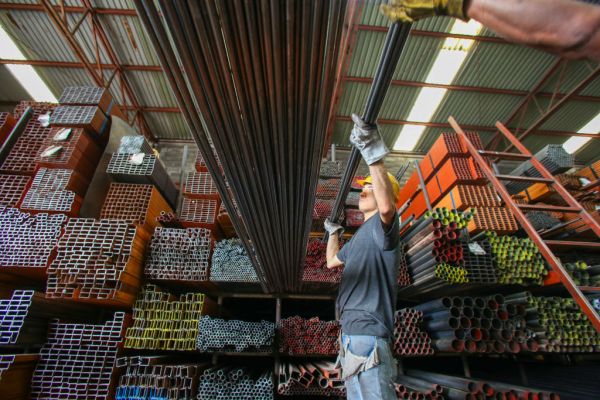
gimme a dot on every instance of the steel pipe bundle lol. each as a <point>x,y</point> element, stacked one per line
<point>28,241</point>
<point>15,375</point>
<point>155,378</point>
<point>133,168</point>
<point>321,210</point>
<point>216,334</point>
<point>198,212</point>
<point>478,262</point>
<point>330,169</point>
<point>179,254</point>
<point>200,184</point>
<point>55,190</point>
<point>403,272</point>
<point>409,338</point>
<point>353,217</point>
<point>98,261</point>
<point>230,263</point>
<point>72,349</point>
<point>168,220</point>
<point>557,324</point>
<point>134,144</point>
<point>12,188</point>
<point>134,203</point>
<point>517,260</point>
<point>352,199</point>
<point>235,383</point>
<point>327,188</point>
<point>315,264</point>
<point>582,274</point>
<point>160,322</point>
<point>309,379</point>
<point>242,91</point>
<point>450,387</point>
<point>23,154</point>
<point>299,336</point>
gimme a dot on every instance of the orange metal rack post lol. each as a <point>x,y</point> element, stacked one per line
<point>573,207</point>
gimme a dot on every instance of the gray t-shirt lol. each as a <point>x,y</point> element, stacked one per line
<point>367,294</point>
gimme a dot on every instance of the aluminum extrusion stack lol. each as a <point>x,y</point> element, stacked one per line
<point>156,378</point>
<point>315,264</point>
<point>169,220</point>
<point>16,371</point>
<point>162,323</point>
<point>90,118</point>
<point>73,348</point>
<point>134,144</point>
<point>409,338</point>
<point>55,191</point>
<point>310,379</point>
<point>98,262</point>
<point>235,383</point>
<point>179,254</point>
<point>199,185</point>
<point>230,263</point>
<point>196,213</point>
<point>12,188</point>
<point>216,334</point>
<point>299,336</point>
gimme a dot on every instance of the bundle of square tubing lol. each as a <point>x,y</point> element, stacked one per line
<point>12,188</point>
<point>216,334</point>
<point>15,375</point>
<point>56,191</point>
<point>235,383</point>
<point>230,263</point>
<point>157,377</point>
<point>310,379</point>
<point>299,336</point>
<point>239,91</point>
<point>409,338</point>
<point>179,254</point>
<point>430,385</point>
<point>196,212</point>
<point>315,264</point>
<point>73,348</point>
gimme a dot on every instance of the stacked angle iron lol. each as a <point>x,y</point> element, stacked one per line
<point>72,349</point>
<point>441,386</point>
<point>235,383</point>
<point>230,263</point>
<point>216,334</point>
<point>310,379</point>
<point>409,338</point>
<point>238,89</point>
<point>517,260</point>
<point>179,254</point>
<point>299,336</point>
<point>315,264</point>
<point>476,325</point>
<point>556,324</point>
<point>55,191</point>
<point>12,188</point>
<point>16,371</point>
<point>162,323</point>
<point>156,378</point>
<point>98,261</point>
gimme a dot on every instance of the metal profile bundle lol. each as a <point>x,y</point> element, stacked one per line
<point>134,144</point>
<point>330,169</point>
<point>179,254</point>
<point>327,188</point>
<point>416,389</point>
<point>169,220</point>
<point>556,324</point>
<point>230,263</point>
<point>476,325</point>
<point>27,242</point>
<point>299,336</point>
<point>78,360</point>
<point>55,191</point>
<point>310,379</point>
<point>238,87</point>
<point>12,188</point>
<point>447,145</point>
<point>542,220</point>
<point>479,263</point>
<point>517,260</point>
<point>497,219</point>
<point>134,203</point>
<point>90,118</point>
<point>200,163</point>
<point>23,155</point>
<point>156,378</point>
<point>87,96</point>
<point>199,213</point>
<point>321,210</point>
<point>441,386</point>
<point>352,199</point>
<point>15,375</point>
<point>224,221</point>
<point>403,272</point>
<point>315,264</point>
<point>98,261</point>
<point>553,157</point>
<point>216,334</point>
<point>7,123</point>
<point>584,275</point>
<point>409,338</point>
<point>463,197</point>
<point>591,173</point>
<point>228,382</point>
<point>354,218</point>
<point>200,185</point>
<point>128,168</point>
<point>162,322</point>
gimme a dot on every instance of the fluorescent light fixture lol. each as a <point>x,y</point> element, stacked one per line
<point>575,143</point>
<point>443,71</point>
<point>25,74</point>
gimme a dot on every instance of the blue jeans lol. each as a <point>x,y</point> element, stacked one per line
<point>375,383</point>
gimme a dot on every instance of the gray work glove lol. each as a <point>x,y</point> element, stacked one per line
<point>367,140</point>
<point>333,228</point>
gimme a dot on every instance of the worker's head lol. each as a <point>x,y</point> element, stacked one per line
<point>367,201</point>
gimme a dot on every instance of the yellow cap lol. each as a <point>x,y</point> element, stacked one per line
<point>393,182</point>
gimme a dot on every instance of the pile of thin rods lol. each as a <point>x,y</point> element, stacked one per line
<point>310,379</point>
<point>299,336</point>
<point>256,101</point>
<point>224,382</point>
<point>216,334</point>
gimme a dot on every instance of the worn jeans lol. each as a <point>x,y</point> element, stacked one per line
<point>375,383</point>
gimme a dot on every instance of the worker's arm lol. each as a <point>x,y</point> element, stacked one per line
<point>333,244</point>
<point>382,190</point>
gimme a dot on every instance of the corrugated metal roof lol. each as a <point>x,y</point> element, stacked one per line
<point>475,108</point>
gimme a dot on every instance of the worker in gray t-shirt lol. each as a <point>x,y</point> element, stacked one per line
<point>367,294</point>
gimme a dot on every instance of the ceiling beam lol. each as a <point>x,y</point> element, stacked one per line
<point>77,65</point>
<point>68,9</point>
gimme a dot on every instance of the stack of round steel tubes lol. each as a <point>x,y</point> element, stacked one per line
<point>330,169</point>
<point>299,336</point>
<point>584,275</point>
<point>315,265</point>
<point>309,379</point>
<point>216,334</point>
<point>403,273</point>
<point>476,325</point>
<point>409,338</point>
<point>235,383</point>
<point>230,263</point>
<point>168,220</point>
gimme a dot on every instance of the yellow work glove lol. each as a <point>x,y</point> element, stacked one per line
<point>414,10</point>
